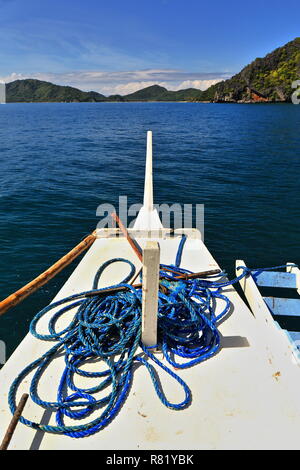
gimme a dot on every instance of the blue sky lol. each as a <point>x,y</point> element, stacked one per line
<point>115,46</point>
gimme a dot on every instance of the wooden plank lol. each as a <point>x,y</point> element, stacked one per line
<point>287,307</point>
<point>295,336</point>
<point>150,293</point>
<point>275,279</point>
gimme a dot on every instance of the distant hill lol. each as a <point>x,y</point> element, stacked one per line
<point>31,90</point>
<point>268,79</point>
<point>159,93</point>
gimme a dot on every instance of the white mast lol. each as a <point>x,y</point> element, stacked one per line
<point>148,218</point>
<point>148,189</point>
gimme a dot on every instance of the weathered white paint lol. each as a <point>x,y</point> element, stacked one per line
<point>254,298</point>
<point>150,293</point>
<point>294,270</point>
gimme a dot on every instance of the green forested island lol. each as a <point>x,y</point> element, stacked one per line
<point>267,79</point>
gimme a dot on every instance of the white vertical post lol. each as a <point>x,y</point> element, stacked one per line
<point>150,293</point>
<point>2,92</point>
<point>148,190</point>
<point>295,270</point>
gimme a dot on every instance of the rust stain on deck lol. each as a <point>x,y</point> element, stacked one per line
<point>277,375</point>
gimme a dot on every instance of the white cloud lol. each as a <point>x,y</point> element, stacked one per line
<point>200,84</point>
<point>13,76</point>
<point>130,87</point>
<point>126,82</point>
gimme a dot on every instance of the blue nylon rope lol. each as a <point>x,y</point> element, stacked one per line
<point>108,325</point>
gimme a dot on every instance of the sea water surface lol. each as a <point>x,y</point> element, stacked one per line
<point>58,162</point>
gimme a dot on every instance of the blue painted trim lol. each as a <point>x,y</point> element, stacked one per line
<point>287,307</point>
<point>275,279</point>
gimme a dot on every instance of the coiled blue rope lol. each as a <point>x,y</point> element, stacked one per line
<point>106,326</point>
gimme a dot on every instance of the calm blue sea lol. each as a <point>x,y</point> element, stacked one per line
<point>58,162</point>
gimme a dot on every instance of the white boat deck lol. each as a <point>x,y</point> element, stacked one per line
<point>245,397</point>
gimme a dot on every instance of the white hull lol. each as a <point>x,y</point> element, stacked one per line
<point>245,397</point>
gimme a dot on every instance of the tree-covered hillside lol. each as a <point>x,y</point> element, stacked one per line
<point>266,79</point>
<point>31,90</point>
<point>159,93</point>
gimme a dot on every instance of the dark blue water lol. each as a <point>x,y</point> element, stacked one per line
<point>58,162</point>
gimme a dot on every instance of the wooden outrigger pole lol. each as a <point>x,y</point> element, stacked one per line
<point>43,278</point>
<point>14,421</point>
